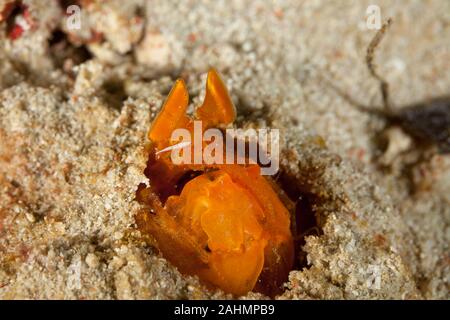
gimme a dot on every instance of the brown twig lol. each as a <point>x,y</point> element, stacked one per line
<point>384,86</point>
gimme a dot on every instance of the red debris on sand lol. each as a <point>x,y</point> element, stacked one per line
<point>18,19</point>
<point>16,32</point>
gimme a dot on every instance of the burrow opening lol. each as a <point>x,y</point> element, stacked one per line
<point>304,216</point>
<point>304,221</point>
<point>65,55</point>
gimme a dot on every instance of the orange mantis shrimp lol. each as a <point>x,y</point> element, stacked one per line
<point>225,223</point>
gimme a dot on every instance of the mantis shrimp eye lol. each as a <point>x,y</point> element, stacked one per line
<point>224,223</point>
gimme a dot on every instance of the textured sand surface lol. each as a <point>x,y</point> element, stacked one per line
<point>73,135</point>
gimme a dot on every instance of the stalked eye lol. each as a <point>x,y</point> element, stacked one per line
<point>221,221</point>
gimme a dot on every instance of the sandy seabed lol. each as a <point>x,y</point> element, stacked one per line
<point>76,104</point>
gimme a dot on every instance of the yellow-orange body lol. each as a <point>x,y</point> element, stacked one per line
<point>226,224</point>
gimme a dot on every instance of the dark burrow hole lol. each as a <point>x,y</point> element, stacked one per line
<point>304,222</point>
<point>115,93</point>
<point>66,55</point>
